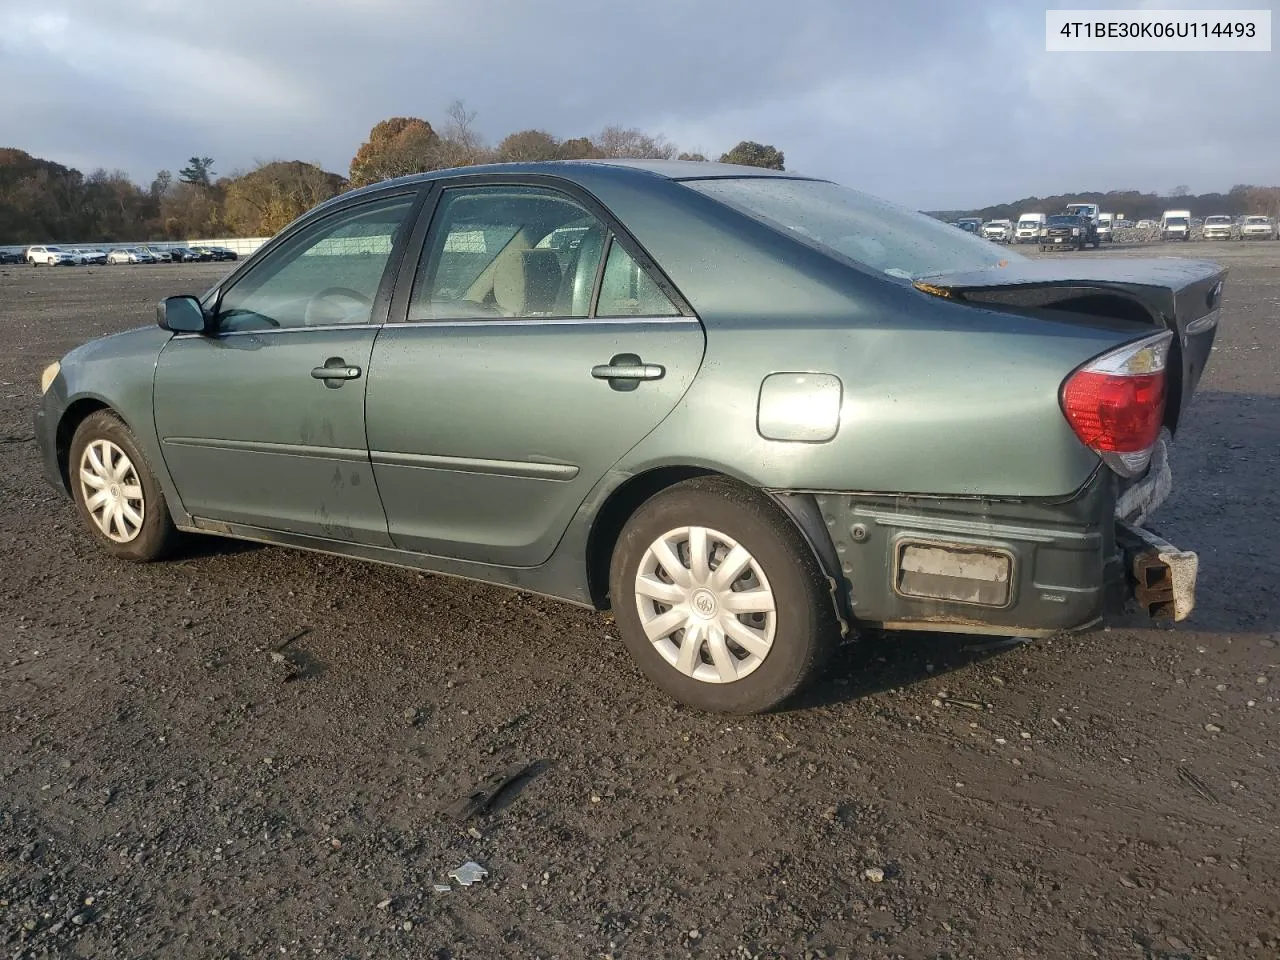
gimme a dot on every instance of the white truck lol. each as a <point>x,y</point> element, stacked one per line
<point>1028,228</point>
<point>1175,225</point>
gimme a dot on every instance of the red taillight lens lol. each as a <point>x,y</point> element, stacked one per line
<point>1115,414</point>
<point>1115,404</point>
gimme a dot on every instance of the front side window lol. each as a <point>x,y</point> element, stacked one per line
<point>873,233</point>
<point>327,275</point>
<point>508,251</point>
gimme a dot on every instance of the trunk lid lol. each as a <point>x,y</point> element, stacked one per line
<point>1185,296</point>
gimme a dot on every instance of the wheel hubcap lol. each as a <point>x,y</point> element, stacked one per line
<point>112,491</point>
<point>705,604</point>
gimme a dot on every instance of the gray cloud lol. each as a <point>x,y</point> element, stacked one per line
<point>931,103</point>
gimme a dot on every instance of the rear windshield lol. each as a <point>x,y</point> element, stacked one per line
<point>854,226</point>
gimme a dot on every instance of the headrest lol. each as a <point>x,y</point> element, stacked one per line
<point>527,282</point>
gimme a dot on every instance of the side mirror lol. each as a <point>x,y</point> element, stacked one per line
<point>181,315</point>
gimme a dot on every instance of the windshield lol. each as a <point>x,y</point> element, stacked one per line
<point>1028,224</point>
<point>870,232</point>
<point>1062,220</point>
<point>1264,221</point>
<point>1218,221</point>
<point>1176,222</point>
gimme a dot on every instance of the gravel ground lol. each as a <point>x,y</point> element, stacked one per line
<point>172,789</point>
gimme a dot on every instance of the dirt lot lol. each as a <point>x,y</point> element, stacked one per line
<point>172,790</point>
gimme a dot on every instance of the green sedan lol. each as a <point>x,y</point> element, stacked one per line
<point>752,413</point>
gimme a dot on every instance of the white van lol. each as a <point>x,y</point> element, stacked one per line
<point>1029,227</point>
<point>1106,223</point>
<point>1175,225</point>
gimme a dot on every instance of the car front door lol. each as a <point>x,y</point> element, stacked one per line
<point>536,346</point>
<point>261,421</point>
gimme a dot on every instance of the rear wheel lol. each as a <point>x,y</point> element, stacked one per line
<point>719,599</point>
<point>116,493</point>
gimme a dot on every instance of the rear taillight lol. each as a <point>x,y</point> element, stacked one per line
<point>1115,404</point>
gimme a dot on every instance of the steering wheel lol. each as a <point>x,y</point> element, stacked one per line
<point>319,314</point>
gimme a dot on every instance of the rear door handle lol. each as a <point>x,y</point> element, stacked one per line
<point>335,371</point>
<point>627,367</point>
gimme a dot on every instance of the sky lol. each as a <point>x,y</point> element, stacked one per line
<point>938,104</point>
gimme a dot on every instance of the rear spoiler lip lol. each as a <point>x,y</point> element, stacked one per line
<point>1168,273</point>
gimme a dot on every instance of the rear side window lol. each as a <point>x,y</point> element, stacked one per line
<point>627,290</point>
<point>508,251</point>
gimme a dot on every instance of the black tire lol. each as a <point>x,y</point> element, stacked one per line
<point>805,627</point>
<point>157,535</point>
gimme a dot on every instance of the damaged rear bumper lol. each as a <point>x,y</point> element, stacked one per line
<point>1017,568</point>
<point>1163,577</point>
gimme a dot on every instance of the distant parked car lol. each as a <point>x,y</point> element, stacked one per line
<point>126,255</point>
<point>10,256</point>
<point>156,254</point>
<point>183,254</point>
<point>202,253</point>
<point>1258,228</point>
<point>970,225</point>
<point>1146,224</point>
<point>88,255</point>
<point>50,257</point>
<point>223,253</point>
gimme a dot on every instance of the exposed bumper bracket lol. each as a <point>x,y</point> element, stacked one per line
<point>1164,576</point>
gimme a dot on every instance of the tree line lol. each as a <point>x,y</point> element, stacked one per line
<point>44,201</point>
<point>1240,200</point>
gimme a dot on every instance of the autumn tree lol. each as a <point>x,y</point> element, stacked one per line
<point>398,146</point>
<point>268,198</point>
<point>692,156</point>
<point>578,148</point>
<point>189,210</point>
<point>752,154</point>
<point>528,145</point>
<point>199,170</point>
<point>117,207</point>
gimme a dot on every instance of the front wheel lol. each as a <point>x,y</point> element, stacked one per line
<point>116,493</point>
<point>719,599</point>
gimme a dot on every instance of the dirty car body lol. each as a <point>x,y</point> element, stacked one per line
<point>521,372</point>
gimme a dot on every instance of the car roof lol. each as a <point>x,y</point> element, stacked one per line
<point>580,170</point>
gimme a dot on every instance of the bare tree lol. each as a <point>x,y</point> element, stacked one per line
<point>634,144</point>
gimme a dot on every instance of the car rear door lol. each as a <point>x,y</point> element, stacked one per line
<point>261,422</point>
<point>532,344</point>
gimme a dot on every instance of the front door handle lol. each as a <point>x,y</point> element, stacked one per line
<point>625,371</point>
<point>335,371</point>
